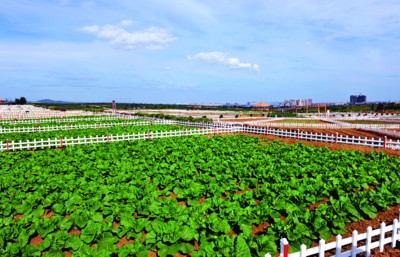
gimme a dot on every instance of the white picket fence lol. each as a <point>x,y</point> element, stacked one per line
<point>7,130</point>
<point>328,138</point>
<point>358,243</point>
<point>325,126</point>
<point>60,142</point>
<point>67,119</point>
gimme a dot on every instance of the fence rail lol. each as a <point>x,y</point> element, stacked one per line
<point>372,239</point>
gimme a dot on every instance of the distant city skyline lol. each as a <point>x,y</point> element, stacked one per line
<point>199,51</point>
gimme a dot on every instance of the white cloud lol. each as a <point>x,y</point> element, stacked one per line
<point>222,58</point>
<point>117,35</point>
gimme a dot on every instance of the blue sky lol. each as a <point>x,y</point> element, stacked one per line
<point>180,51</point>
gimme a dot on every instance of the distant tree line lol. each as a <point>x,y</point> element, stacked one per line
<point>21,100</point>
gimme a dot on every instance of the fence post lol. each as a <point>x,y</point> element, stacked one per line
<point>336,137</point>
<point>298,132</point>
<point>338,245</point>
<point>368,242</point>
<point>321,246</point>
<point>7,146</point>
<point>284,248</point>
<point>61,143</point>
<point>382,236</point>
<point>385,142</point>
<point>148,135</point>
<point>108,138</point>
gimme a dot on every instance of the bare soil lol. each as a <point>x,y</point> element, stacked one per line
<point>243,119</point>
<point>35,241</point>
<point>302,121</point>
<point>123,241</point>
<point>331,146</point>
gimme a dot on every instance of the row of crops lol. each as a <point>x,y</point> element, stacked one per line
<point>221,196</point>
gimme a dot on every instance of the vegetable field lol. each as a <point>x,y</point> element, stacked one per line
<point>221,196</point>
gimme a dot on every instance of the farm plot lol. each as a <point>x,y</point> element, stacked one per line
<point>226,195</point>
<point>63,122</point>
<point>344,132</point>
<point>303,121</point>
<point>116,130</point>
<point>370,122</point>
<point>66,119</point>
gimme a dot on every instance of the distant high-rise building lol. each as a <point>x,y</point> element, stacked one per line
<point>296,102</point>
<point>358,99</point>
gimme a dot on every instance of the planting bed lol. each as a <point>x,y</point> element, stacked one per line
<point>232,195</point>
<point>302,121</point>
<point>117,130</point>
<point>344,132</point>
<point>370,122</point>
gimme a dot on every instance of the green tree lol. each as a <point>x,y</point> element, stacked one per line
<point>22,100</point>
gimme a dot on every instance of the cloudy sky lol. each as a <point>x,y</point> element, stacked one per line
<point>179,51</point>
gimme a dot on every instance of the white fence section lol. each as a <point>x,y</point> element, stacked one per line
<point>60,142</point>
<point>325,126</point>
<point>67,119</point>
<point>332,138</point>
<point>31,112</point>
<point>69,127</point>
<point>358,243</point>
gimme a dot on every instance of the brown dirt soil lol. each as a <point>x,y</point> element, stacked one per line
<point>67,254</point>
<point>74,232</point>
<point>305,121</point>
<point>202,199</point>
<point>242,191</point>
<point>231,233</point>
<point>47,214</point>
<point>35,241</point>
<point>259,229</point>
<point>143,236</point>
<point>18,216</point>
<point>182,203</point>
<point>115,224</point>
<point>151,254</point>
<point>123,241</point>
<point>243,119</point>
<point>196,245</point>
<point>331,146</point>
<point>315,205</point>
